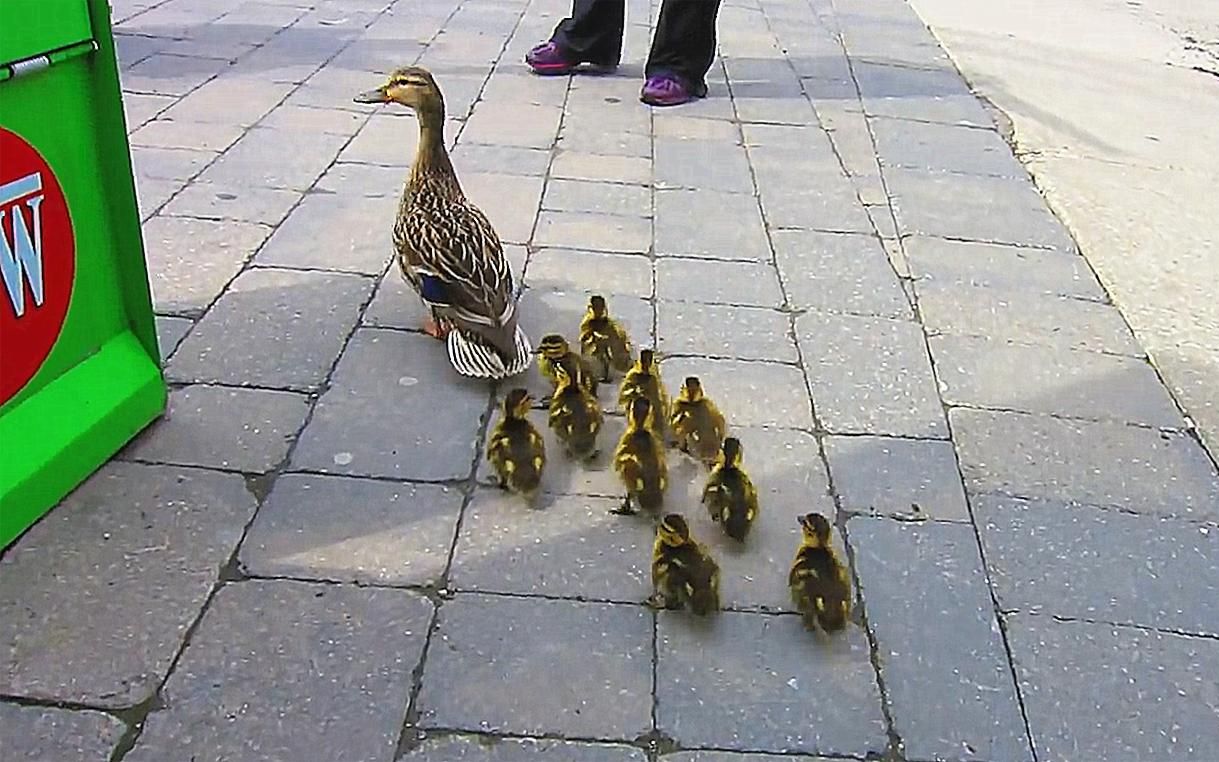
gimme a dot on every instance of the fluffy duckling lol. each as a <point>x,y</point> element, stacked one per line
<point>553,350</point>
<point>643,381</point>
<point>515,448</point>
<point>604,340</point>
<point>730,496</point>
<point>819,584</point>
<point>575,415</point>
<point>683,572</point>
<point>640,461</point>
<point>697,423</point>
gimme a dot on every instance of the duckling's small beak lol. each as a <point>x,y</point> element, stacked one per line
<point>372,96</point>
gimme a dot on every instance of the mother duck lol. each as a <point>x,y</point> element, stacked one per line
<point>447,250</point>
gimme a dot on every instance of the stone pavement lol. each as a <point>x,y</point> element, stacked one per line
<point>304,560</point>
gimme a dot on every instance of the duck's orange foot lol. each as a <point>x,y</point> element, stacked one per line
<point>434,329</point>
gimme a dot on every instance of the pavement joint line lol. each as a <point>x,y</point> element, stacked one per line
<point>1066,418</point>
<point>937,333</point>
<point>1113,623</point>
<point>903,235</point>
<point>1201,523</point>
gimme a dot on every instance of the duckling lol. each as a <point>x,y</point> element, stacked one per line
<point>643,380</point>
<point>575,415</point>
<point>604,340</point>
<point>697,423</point>
<point>640,460</point>
<point>819,584</point>
<point>554,350</point>
<point>683,572</point>
<point>515,448</point>
<point>730,496</point>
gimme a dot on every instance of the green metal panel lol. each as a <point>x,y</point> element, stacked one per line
<point>100,382</point>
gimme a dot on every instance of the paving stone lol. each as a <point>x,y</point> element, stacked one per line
<point>273,158</point>
<point>574,165</point>
<point>793,109</point>
<point>368,180</point>
<point>502,124</point>
<point>1027,318</point>
<point>507,160</point>
<point>995,209</point>
<point>590,271</point>
<point>229,101</point>
<point>599,145</point>
<point>129,557</point>
<point>883,223</point>
<point>290,670</point>
<point>169,163</point>
<point>334,231</point>
<point>223,427</point>
<point>588,230</point>
<point>710,224</point>
<point>1101,672</point>
<point>535,640</point>
<point>730,756</point>
<point>803,142</point>
<point>168,132</point>
<point>1050,557</point>
<point>140,108</point>
<point>1003,268</point>
<point>775,685</point>
<point>388,141</point>
<point>273,328</point>
<point>941,653</point>
<point>666,124</point>
<point>212,201</point>
<point>191,261</point>
<point>328,120</point>
<point>928,95</point>
<point>748,393</point>
<point>944,148</point>
<point>607,198</point>
<point>1109,464</point>
<point>720,330</point>
<point>837,272</point>
<point>353,530</point>
<point>164,74</point>
<point>170,331</point>
<point>870,376</point>
<point>367,422</point>
<point>574,547</point>
<point>702,166</point>
<point>152,194</point>
<point>459,748</point>
<point>980,372</point>
<point>510,202</point>
<point>824,201</point>
<point>44,734</point>
<point>885,475</point>
<point>711,281</point>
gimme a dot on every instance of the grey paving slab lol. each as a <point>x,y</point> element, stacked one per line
<point>129,557</point>
<point>775,685</point>
<point>140,108</point>
<point>368,423</point>
<point>1103,672</point>
<point>574,548</point>
<point>748,393</point>
<point>1025,317</point>
<point>276,158</point>
<point>223,427</point>
<point>590,271</point>
<point>169,163</point>
<point>318,119</point>
<point>720,330</point>
<point>710,224</point>
<point>509,201</point>
<point>995,209</point>
<point>44,734</point>
<point>669,124</point>
<point>1050,557</point>
<point>700,165</point>
<point>578,165</point>
<point>711,281</point>
<point>387,140</point>
<point>227,101</point>
<point>882,221</point>
<point>168,132</point>
<point>942,657</point>
<point>151,195</point>
<point>476,675</point>
<point>887,475</point>
<point>944,148</point>
<point>1003,268</point>
<point>590,230</point>
<point>870,375</point>
<point>290,670</point>
<point>501,124</point>
<point>273,328</point>
<point>465,748</point>
<point>929,95</point>
<point>607,198</point>
<point>1108,464</point>
<point>213,201</point>
<point>788,109</point>
<point>981,372</point>
<point>343,529</point>
<point>334,231</point>
<point>506,160</point>
<point>164,74</point>
<point>369,180</point>
<point>794,199</point>
<point>838,273</point>
<point>191,261</point>
<point>731,756</point>
<point>581,135</point>
<point>170,331</point>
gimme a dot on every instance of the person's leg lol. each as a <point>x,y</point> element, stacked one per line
<point>683,50</point>
<point>592,34</point>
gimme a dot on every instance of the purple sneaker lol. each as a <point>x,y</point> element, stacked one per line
<point>666,90</point>
<point>550,59</point>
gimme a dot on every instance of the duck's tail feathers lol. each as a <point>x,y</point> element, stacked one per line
<point>472,357</point>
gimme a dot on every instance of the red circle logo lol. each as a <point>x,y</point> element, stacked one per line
<point>37,262</point>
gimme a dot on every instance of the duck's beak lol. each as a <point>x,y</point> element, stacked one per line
<point>372,96</point>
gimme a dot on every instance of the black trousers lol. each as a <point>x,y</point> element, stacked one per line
<point>684,43</point>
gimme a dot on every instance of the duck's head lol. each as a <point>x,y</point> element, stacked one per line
<point>815,528</point>
<point>647,358</point>
<point>596,306</point>
<point>563,378</point>
<point>730,452</point>
<point>410,86</point>
<point>553,346</point>
<point>517,403</point>
<point>673,530</point>
<point>692,390</point>
<point>640,413</point>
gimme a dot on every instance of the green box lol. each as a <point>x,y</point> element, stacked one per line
<point>79,367</point>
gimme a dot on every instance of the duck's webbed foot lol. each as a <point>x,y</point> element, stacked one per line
<point>626,509</point>
<point>434,329</point>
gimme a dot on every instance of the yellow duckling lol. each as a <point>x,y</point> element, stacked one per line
<point>604,340</point>
<point>640,461</point>
<point>697,423</point>
<point>820,587</point>
<point>683,572</point>
<point>553,350</point>
<point>575,415</point>
<point>643,381</point>
<point>730,496</point>
<point>515,448</point>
